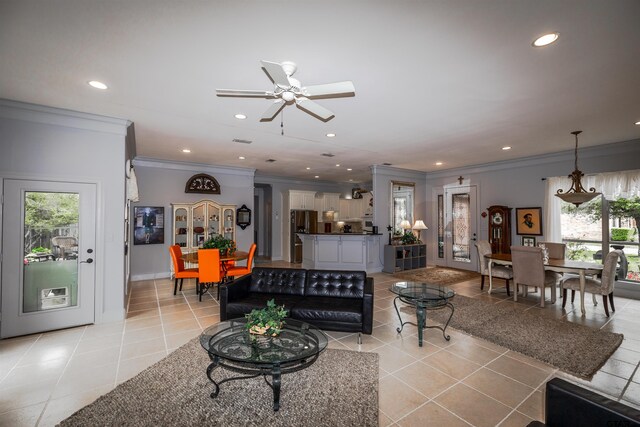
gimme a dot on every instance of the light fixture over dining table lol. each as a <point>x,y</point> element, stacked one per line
<point>577,194</point>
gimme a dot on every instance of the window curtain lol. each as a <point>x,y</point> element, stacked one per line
<point>613,185</point>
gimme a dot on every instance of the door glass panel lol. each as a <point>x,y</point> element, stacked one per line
<point>440,226</point>
<point>198,226</point>
<point>461,227</point>
<point>50,264</point>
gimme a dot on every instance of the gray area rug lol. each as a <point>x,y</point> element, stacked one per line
<point>575,349</point>
<point>339,389</point>
<point>441,275</point>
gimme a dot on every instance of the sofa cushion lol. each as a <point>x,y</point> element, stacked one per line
<point>344,284</point>
<point>278,281</point>
<point>254,300</point>
<point>311,309</point>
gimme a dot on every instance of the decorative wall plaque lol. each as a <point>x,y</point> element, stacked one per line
<point>202,183</point>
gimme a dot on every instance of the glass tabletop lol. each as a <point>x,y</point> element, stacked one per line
<point>423,292</point>
<point>231,340</point>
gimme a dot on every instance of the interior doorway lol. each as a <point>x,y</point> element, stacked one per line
<point>263,196</point>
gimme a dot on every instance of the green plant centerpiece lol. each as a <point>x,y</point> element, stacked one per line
<point>226,246</point>
<point>408,238</point>
<point>266,321</point>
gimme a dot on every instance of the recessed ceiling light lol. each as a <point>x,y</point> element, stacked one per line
<point>638,123</point>
<point>240,116</point>
<point>308,168</point>
<point>545,40</point>
<point>317,176</point>
<point>506,148</point>
<point>337,165</point>
<point>241,157</point>
<point>349,169</point>
<point>186,150</point>
<point>351,180</point>
<point>331,135</point>
<point>438,163</point>
<point>98,85</point>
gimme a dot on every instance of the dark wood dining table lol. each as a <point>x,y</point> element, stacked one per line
<point>581,268</point>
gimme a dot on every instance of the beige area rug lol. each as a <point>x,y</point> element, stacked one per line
<point>339,389</point>
<point>437,275</point>
<point>575,349</point>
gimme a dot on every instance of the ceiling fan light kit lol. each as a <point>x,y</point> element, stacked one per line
<point>288,90</point>
<point>577,193</point>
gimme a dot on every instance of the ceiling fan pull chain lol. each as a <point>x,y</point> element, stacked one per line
<point>282,123</point>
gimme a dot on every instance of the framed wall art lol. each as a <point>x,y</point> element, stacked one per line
<point>528,241</point>
<point>529,221</point>
<point>148,225</point>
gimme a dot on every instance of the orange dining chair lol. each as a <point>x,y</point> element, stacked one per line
<point>242,270</point>
<point>210,270</point>
<point>179,272</point>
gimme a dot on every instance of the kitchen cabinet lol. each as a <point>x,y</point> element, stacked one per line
<point>195,223</point>
<point>351,208</point>
<point>301,199</point>
<point>332,202</point>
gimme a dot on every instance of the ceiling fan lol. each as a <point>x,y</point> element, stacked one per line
<point>287,91</point>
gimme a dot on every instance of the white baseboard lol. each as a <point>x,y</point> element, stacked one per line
<point>150,276</point>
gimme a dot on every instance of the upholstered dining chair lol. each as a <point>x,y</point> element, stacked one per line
<point>240,270</point>
<point>179,272</point>
<point>556,250</point>
<point>210,270</point>
<point>603,286</point>
<point>528,270</point>
<point>497,271</point>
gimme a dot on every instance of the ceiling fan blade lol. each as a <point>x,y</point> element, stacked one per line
<point>330,90</point>
<point>273,110</point>
<point>277,74</point>
<point>249,93</point>
<point>314,108</point>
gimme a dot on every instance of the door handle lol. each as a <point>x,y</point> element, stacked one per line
<point>88,261</point>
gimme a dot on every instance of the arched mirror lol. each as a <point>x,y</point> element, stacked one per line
<point>402,203</point>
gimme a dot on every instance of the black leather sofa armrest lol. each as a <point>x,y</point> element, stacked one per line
<point>233,291</point>
<point>567,405</point>
<point>367,307</point>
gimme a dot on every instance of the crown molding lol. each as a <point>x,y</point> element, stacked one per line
<point>616,148</point>
<point>34,113</point>
<point>149,162</point>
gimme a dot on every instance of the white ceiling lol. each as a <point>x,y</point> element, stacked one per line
<point>449,81</point>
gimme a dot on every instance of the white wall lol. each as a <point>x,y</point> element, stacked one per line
<point>162,183</point>
<point>519,183</point>
<point>60,145</point>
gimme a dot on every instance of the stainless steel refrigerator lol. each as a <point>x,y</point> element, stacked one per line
<point>301,221</point>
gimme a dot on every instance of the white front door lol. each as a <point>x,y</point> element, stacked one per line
<point>48,256</point>
<point>460,227</point>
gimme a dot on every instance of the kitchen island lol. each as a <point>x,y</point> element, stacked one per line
<point>341,251</point>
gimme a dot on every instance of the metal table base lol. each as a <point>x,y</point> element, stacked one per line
<point>421,315</point>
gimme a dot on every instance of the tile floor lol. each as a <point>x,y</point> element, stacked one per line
<point>466,381</point>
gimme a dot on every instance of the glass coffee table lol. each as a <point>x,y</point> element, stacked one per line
<point>423,296</point>
<point>232,347</point>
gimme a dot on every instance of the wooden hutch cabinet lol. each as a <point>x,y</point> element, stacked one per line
<point>195,223</point>
<point>500,229</point>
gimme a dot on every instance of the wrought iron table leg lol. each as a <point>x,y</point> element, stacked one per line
<point>275,385</point>
<point>212,366</point>
<point>446,337</point>
<point>395,305</point>
<point>420,313</point>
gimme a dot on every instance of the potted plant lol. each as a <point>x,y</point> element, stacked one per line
<point>226,246</point>
<point>408,238</point>
<point>266,321</point>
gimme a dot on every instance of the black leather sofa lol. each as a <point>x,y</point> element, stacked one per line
<point>569,405</point>
<point>331,300</point>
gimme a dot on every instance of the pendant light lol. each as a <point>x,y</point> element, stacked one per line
<point>577,194</point>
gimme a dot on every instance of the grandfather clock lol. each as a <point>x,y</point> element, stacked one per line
<point>500,229</point>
